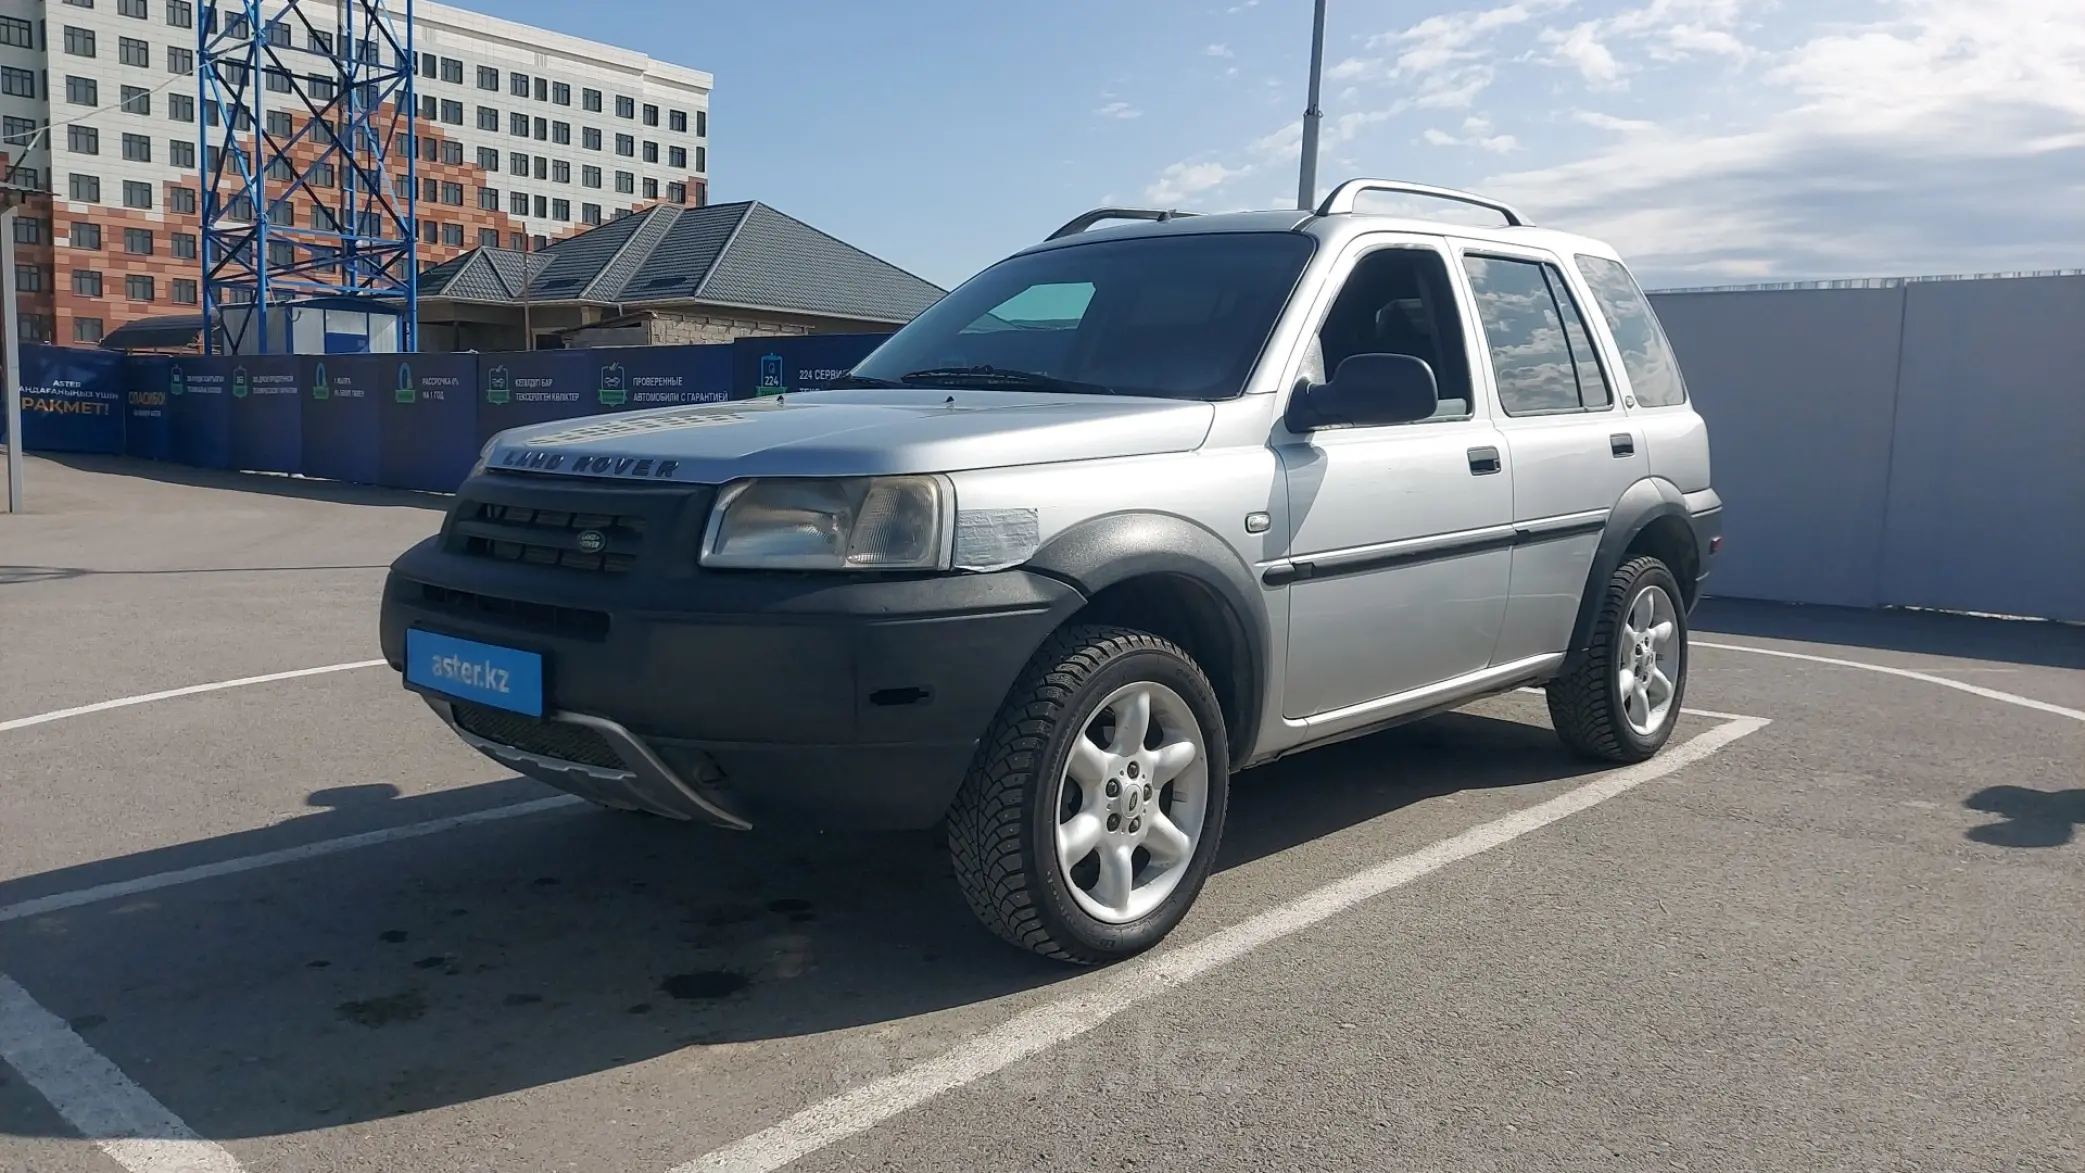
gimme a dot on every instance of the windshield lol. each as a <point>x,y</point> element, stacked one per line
<point>1180,317</point>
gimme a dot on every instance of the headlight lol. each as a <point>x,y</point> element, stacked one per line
<point>484,454</point>
<point>831,523</point>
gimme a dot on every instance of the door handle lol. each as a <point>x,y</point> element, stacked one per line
<point>1484,461</point>
<point>1623,444</point>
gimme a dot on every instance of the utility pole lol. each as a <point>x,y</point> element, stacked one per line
<point>17,452</point>
<point>1307,181</point>
<point>528,328</point>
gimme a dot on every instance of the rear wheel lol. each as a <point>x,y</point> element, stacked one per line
<point>1620,697</point>
<point>1090,819</point>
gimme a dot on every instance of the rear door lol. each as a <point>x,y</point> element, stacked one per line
<point>1572,447</point>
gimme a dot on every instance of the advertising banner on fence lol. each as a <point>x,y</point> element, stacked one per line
<point>148,429</point>
<point>267,432</point>
<point>72,400</point>
<point>200,410</point>
<point>640,377</point>
<point>777,366</point>
<point>427,423</point>
<point>339,420</point>
<point>535,387</point>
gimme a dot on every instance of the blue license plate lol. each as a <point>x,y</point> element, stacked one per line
<point>504,678</point>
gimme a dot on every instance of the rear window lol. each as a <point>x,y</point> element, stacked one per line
<point>1654,373</point>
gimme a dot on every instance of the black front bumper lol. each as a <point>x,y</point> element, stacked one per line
<point>839,701</point>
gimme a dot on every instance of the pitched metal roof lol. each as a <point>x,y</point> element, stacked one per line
<point>744,254</point>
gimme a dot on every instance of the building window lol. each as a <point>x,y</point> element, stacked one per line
<point>452,234</point>
<point>517,84</point>
<point>430,107</point>
<point>137,148</point>
<point>430,66</point>
<point>431,190</point>
<point>489,199</point>
<point>677,121</point>
<point>488,159</point>
<point>488,238</point>
<point>517,124</point>
<point>83,235</point>
<point>625,183</point>
<point>82,91</point>
<point>86,330</point>
<point>30,230</point>
<point>320,175</point>
<point>488,78</point>
<point>452,113</point>
<point>518,164</point>
<point>452,194</point>
<point>86,282</point>
<point>590,177</point>
<point>624,107</point>
<point>542,207</point>
<point>132,51</point>
<point>184,245</point>
<point>651,114</point>
<point>137,241</point>
<point>488,118</point>
<point>430,149</point>
<point>180,60</point>
<point>136,194</point>
<point>180,14</point>
<point>517,241</point>
<point>590,100</point>
<point>702,160</point>
<point>82,140</point>
<point>517,203</point>
<point>181,152</point>
<point>430,232</point>
<point>590,138</point>
<point>560,93</point>
<point>542,130</point>
<point>183,291</point>
<point>702,124</point>
<point>560,171</point>
<point>17,32</point>
<point>140,289</point>
<point>677,157</point>
<point>591,213</point>
<point>321,43</point>
<point>27,178</point>
<point>561,133</point>
<point>19,130</point>
<point>17,83</point>
<point>542,90</point>
<point>280,124</point>
<point>36,327</point>
<point>452,71</point>
<point>181,199</point>
<point>452,153</point>
<point>278,34</point>
<point>284,214</point>
<point>676,193</point>
<point>651,152</point>
<point>561,209</point>
<point>626,145</point>
<point>277,81</point>
<point>29,279</point>
<point>79,42</point>
<point>181,107</point>
<point>281,252</point>
<point>651,188</point>
<point>135,9</point>
<point>542,167</point>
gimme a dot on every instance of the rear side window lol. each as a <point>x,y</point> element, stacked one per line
<point>1654,373</point>
<point>1541,353</point>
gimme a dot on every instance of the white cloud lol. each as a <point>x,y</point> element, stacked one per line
<point>1599,121</point>
<point>1218,51</point>
<point>1182,180</point>
<point>1119,110</point>
<point>1581,48</point>
<point>1476,132</point>
<point>1242,7</point>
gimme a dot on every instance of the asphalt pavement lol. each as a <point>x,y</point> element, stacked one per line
<point>295,926</point>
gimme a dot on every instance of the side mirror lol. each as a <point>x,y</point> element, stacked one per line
<point>1367,390</point>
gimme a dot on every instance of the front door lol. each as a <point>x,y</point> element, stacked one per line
<point>1402,534</point>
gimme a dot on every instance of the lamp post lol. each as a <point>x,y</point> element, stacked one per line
<point>1307,181</point>
<point>11,321</point>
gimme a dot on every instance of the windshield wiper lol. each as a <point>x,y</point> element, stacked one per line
<point>985,377</point>
<point>859,381</point>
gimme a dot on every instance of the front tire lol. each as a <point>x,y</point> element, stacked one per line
<point>1619,698</point>
<point>1090,818</point>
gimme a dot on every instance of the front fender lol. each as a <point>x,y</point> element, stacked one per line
<point>1640,506</point>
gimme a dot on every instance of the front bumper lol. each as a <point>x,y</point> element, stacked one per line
<point>731,698</point>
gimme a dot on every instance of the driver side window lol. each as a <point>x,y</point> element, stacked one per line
<point>1398,301</point>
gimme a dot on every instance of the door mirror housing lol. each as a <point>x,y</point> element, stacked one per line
<point>1367,390</point>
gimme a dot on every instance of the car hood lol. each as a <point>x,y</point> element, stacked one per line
<point>862,432</point>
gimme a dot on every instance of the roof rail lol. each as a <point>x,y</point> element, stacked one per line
<point>1097,215</point>
<point>1343,196</point>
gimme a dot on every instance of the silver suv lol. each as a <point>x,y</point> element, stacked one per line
<point>1128,512</point>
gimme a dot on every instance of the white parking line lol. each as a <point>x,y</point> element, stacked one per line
<point>135,1130</point>
<point>2025,702</point>
<point>1711,714</point>
<point>1110,993</point>
<point>101,892</point>
<point>170,694</point>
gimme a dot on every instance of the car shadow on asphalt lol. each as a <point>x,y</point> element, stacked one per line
<point>2028,818</point>
<point>301,488</point>
<point>444,970</point>
<point>1927,633</point>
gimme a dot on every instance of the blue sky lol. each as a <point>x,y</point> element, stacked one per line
<point>1711,140</point>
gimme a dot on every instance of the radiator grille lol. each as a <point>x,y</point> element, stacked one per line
<point>561,740</point>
